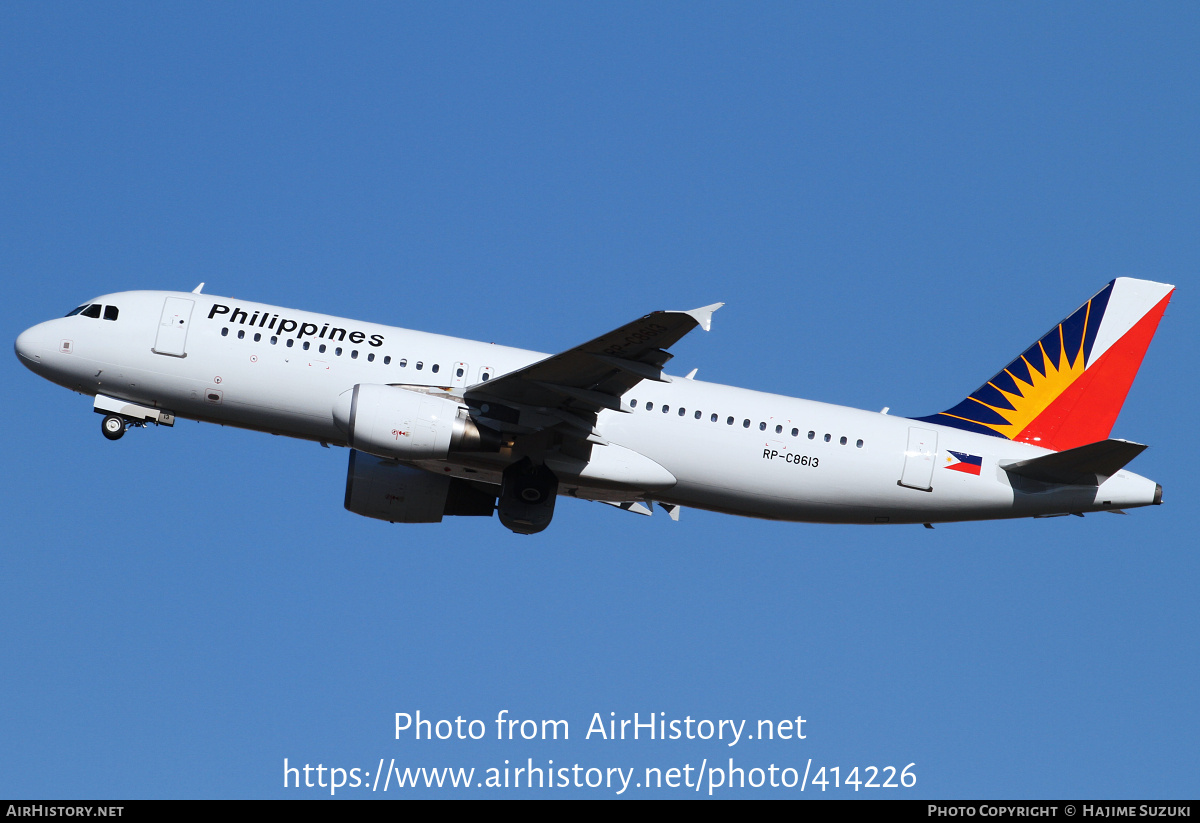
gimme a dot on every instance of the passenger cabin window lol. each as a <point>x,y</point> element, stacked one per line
<point>387,360</point>
<point>435,368</point>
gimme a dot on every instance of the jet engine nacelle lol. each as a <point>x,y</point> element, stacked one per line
<point>387,490</point>
<point>397,423</point>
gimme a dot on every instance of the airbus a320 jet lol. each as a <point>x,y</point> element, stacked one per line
<point>439,426</point>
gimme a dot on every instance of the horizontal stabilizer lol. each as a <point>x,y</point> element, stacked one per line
<point>1088,465</point>
<point>630,506</point>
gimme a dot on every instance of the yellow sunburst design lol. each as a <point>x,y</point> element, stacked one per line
<point>1035,396</point>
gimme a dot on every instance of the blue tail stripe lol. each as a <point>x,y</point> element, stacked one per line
<point>1052,345</point>
<point>1018,367</point>
<point>1072,332</point>
<point>943,419</point>
<point>1099,304</point>
<point>993,397</point>
<point>1004,382</point>
<point>974,411</point>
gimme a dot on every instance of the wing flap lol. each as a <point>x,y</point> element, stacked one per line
<point>594,376</point>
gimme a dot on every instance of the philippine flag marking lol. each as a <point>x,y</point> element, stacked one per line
<point>966,463</point>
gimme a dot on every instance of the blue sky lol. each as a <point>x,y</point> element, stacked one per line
<point>893,200</point>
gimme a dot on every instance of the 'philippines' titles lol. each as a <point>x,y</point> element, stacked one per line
<point>266,320</point>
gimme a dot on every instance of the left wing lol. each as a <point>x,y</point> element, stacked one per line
<point>574,386</point>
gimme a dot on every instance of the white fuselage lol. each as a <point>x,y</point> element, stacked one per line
<point>282,371</point>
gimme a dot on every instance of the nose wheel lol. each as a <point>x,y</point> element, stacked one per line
<point>113,427</point>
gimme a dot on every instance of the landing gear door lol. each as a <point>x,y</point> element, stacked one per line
<point>173,327</point>
<point>919,459</point>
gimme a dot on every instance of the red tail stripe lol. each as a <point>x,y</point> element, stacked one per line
<point>1086,411</point>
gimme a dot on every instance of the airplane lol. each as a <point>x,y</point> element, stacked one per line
<point>439,426</point>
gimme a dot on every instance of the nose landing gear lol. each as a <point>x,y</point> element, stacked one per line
<point>121,415</point>
<point>113,427</point>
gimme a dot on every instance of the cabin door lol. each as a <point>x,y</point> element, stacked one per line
<point>919,459</point>
<point>173,327</point>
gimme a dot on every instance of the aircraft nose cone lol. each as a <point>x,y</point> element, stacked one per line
<point>24,345</point>
<point>30,346</point>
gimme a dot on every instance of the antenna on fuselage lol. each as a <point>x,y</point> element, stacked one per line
<point>198,289</point>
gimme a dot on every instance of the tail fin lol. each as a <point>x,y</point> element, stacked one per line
<point>1067,389</point>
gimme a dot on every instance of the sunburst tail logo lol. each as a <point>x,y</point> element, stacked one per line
<point>1067,389</point>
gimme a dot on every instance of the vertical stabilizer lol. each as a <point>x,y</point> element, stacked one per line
<point>1067,389</point>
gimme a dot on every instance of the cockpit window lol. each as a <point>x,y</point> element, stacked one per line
<point>77,311</point>
<point>110,312</point>
<point>92,311</point>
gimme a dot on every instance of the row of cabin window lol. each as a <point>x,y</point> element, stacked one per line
<point>812,435</point>
<point>93,311</point>
<point>305,344</point>
<point>484,375</point>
